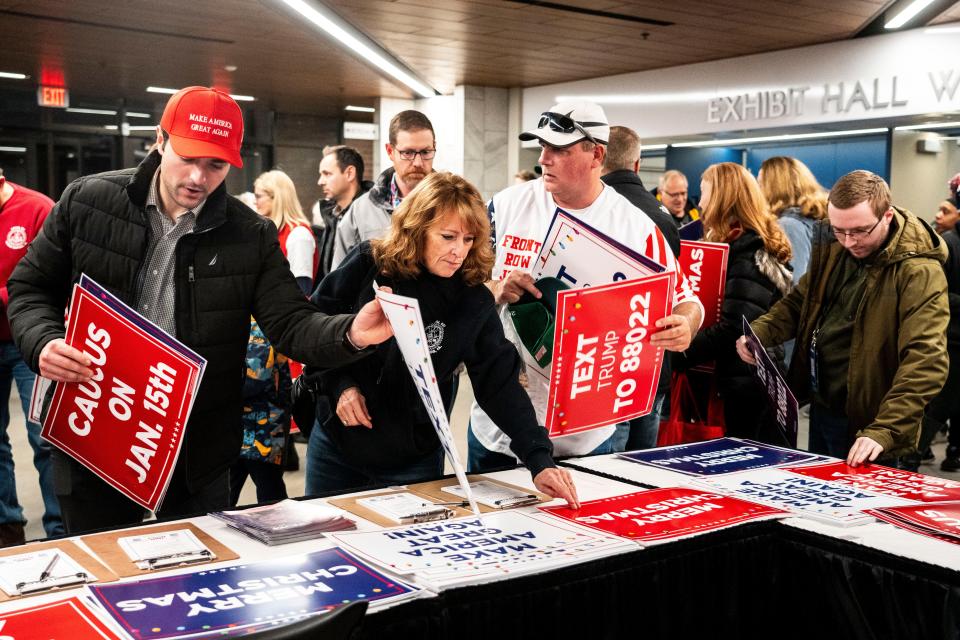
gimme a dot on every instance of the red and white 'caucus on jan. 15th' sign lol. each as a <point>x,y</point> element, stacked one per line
<point>126,424</point>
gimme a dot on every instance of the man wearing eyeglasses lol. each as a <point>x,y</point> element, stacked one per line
<point>411,148</point>
<point>870,321</point>
<point>573,139</point>
<point>672,191</point>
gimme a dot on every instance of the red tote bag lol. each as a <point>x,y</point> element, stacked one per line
<point>696,410</point>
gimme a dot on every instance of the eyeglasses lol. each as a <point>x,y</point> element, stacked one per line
<point>676,194</point>
<point>856,234</point>
<point>410,154</point>
<point>565,124</point>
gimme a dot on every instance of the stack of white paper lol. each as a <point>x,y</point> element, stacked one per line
<point>286,521</point>
<point>161,549</point>
<point>476,549</point>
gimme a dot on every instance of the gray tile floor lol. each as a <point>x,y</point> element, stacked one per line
<point>29,490</point>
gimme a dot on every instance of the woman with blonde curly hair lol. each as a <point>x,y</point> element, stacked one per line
<point>734,212</point>
<point>437,251</point>
<point>798,201</point>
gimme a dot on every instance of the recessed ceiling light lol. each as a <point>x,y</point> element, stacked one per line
<point>230,67</point>
<point>102,112</point>
<point>907,13</point>
<point>353,107</point>
<point>13,149</point>
<point>238,98</point>
<point>929,125</point>
<point>13,76</point>
<point>787,136</point>
<point>344,33</point>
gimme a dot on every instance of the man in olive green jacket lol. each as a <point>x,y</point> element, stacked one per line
<point>870,321</point>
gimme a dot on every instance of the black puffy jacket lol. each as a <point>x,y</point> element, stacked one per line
<point>228,269</point>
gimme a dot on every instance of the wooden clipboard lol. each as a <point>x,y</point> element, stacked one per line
<point>350,504</point>
<point>108,549</point>
<point>91,565</point>
<point>434,490</point>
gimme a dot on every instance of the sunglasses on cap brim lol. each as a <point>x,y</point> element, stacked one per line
<point>565,124</point>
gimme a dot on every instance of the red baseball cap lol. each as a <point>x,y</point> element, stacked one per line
<point>204,123</point>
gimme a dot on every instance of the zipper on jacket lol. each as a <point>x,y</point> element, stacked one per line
<point>191,280</point>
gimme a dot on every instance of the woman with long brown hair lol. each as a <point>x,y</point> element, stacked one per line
<point>437,251</point>
<point>734,212</point>
<point>798,201</point>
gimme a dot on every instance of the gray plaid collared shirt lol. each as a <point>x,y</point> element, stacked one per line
<point>157,301</point>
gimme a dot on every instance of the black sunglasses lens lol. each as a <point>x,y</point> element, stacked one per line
<point>558,122</point>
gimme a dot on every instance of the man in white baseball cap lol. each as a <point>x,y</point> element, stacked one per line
<point>573,138</point>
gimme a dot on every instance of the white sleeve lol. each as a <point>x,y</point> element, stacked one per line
<point>300,249</point>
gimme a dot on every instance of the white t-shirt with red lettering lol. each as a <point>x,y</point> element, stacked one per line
<point>521,217</point>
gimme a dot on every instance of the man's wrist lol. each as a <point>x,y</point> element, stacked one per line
<point>350,345</point>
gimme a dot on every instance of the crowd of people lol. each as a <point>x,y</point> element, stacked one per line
<point>853,297</point>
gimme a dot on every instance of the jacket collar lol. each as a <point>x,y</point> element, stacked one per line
<point>622,176</point>
<point>214,211</point>
<point>380,192</point>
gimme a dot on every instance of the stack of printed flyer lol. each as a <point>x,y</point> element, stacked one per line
<point>286,521</point>
<point>245,598</point>
<point>476,549</point>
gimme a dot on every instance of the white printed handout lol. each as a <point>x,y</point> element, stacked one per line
<point>404,315</point>
<point>36,571</point>
<point>405,508</point>
<point>162,549</point>
<point>495,495</point>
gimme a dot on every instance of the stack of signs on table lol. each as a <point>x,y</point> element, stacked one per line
<point>713,457</point>
<point>404,316</point>
<point>663,515</point>
<point>247,597</point>
<point>476,549</point>
<point>286,521</point>
<point>603,368</point>
<point>125,424</point>
<point>830,502</point>
<point>72,618</point>
<point>939,520</point>
<point>782,402</point>
<point>884,480</point>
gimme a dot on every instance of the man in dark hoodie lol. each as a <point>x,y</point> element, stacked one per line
<point>411,147</point>
<point>341,178</point>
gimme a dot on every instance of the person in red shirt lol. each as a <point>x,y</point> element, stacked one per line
<point>22,212</point>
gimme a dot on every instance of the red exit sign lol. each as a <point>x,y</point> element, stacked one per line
<point>53,97</point>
